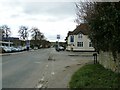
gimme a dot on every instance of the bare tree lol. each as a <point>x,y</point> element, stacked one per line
<point>23,31</point>
<point>84,11</point>
<point>5,31</point>
<point>36,34</point>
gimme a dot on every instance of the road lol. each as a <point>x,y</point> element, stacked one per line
<point>32,69</point>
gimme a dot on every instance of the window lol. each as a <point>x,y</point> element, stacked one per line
<point>80,35</point>
<point>90,44</point>
<point>80,44</point>
<point>72,38</point>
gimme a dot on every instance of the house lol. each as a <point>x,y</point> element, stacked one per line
<point>78,40</point>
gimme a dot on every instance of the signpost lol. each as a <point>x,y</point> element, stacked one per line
<point>27,44</point>
<point>58,37</point>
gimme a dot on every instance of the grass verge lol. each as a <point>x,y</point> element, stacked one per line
<point>94,76</point>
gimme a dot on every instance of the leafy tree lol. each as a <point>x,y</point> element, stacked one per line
<point>23,31</point>
<point>5,31</point>
<point>104,21</point>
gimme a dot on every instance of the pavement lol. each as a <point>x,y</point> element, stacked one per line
<point>12,53</point>
<point>43,68</point>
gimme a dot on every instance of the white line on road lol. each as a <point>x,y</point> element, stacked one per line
<point>37,62</point>
<point>40,86</point>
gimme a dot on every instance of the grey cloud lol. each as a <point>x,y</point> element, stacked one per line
<point>53,37</point>
<point>15,16</point>
<point>59,10</point>
<point>12,3</point>
<point>50,8</point>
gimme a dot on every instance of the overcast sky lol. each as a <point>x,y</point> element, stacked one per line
<point>51,18</point>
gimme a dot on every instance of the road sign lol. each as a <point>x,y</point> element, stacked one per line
<point>58,36</point>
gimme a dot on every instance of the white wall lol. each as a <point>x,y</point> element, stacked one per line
<point>70,45</point>
<point>85,41</point>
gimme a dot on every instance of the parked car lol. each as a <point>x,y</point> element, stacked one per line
<point>19,48</point>
<point>6,49</point>
<point>13,49</point>
<point>16,49</point>
<point>1,49</point>
<point>24,48</point>
<point>35,48</point>
<point>61,48</point>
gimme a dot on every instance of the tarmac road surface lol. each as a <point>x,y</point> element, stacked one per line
<point>41,68</point>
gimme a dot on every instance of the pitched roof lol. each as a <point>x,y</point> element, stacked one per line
<point>82,28</point>
<point>70,33</point>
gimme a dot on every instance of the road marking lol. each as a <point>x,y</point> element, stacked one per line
<point>40,86</point>
<point>42,79</point>
<point>37,62</point>
<point>53,73</point>
<point>43,82</point>
<point>5,62</point>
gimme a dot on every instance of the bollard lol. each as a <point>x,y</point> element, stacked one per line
<point>95,57</point>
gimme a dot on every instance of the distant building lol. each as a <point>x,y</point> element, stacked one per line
<point>9,40</point>
<point>78,40</point>
<point>0,35</point>
<point>14,40</point>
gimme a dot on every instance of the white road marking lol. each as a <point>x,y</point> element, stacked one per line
<point>46,65</point>
<point>40,86</point>
<point>37,62</point>
<point>42,79</point>
<point>53,73</point>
